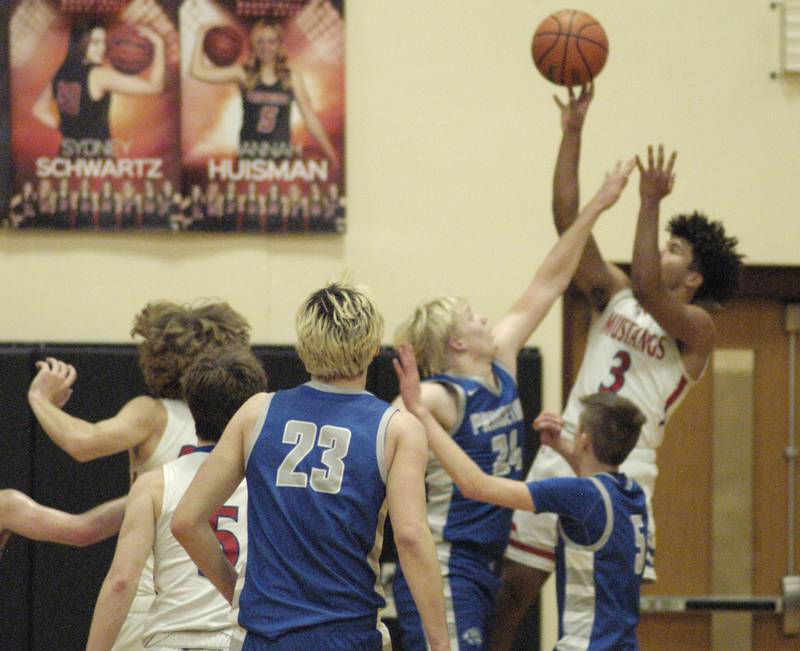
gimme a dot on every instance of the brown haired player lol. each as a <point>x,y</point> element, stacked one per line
<point>154,428</point>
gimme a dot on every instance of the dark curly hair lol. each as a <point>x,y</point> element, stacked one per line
<point>714,255</point>
<point>174,335</point>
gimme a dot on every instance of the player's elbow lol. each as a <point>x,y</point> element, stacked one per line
<point>121,580</point>
<point>181,525</point>
<point>409,537</point>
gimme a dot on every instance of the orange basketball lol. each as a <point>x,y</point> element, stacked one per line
<point>222,45</point>
<point>129,51</point>
<point>570,48</point>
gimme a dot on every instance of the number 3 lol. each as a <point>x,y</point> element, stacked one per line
<point>618,371</point>
<point>303,435</point>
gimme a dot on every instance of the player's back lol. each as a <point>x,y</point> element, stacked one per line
<point>316,485</point>
<point>186,603</point>
<point>599,579</point>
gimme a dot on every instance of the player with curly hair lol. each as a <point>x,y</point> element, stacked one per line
<point>153,428</point>
<point>650,342</point>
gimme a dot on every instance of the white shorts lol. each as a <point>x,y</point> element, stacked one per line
<point>190,640</point>
<point>533,535</point>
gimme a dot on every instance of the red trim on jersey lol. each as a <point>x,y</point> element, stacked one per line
<point>532,550</point>
<point>677,393</point>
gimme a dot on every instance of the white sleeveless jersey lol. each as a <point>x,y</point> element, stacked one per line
<point>178,438</point>
<point>185,600</point>
<point>178,435</point>
<point>629,354</point>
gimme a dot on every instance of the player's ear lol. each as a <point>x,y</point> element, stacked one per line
<point>457,344</point>
<point>584,441</point>
<point>693,280</point>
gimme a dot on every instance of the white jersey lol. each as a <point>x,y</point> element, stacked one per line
<point>186,602</point>
<point>629,354</point>
<point>178,438</point>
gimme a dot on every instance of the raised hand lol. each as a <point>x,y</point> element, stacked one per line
<point>614,184</point>
<point>657,179</point>
<point>573,112</point>
<point>405,365</point>
<point>549,426</point>
<point>53,381</point>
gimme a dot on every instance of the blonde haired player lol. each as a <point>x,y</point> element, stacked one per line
<point>187,612</point>
<point>323,461</point>
<point>472,393</point>
<point>650,342</point>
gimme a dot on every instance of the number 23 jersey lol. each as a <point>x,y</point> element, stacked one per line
<point>629,353</point>
<point>317,504</point>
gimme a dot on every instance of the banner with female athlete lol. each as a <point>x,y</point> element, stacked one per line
<point>262,115</point>
<point>94,114</point>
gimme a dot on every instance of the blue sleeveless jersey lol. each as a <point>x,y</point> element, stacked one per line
<point>316,509</point>
<point>488,429</point>
<point>600,558</point>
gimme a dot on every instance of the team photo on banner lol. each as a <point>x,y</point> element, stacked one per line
<point>196,115</point>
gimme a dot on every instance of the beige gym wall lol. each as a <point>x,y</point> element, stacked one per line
<point>452,136</point>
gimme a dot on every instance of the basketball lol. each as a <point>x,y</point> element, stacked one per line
<point>570,48</point>
<point>129,51</point>
<point>222,45</point>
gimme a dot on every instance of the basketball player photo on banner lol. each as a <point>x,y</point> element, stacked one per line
<point>94,114</point>
<point>262,115</point>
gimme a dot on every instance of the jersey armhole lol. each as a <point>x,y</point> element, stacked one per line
<point>380,441</point>
<point>609,526</point>
<point>461,402</point>
<point>256,431</point>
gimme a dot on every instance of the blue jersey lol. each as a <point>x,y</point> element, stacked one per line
<point>600,558</point>
<point>488,429</point>
<point>316,485</point>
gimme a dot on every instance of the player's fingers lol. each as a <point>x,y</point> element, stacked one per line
<point>558,101</point>
<point>660,160</point>
<point>571,94</point>
<point>650,156</point>
<point>639,164</point>
<point>671,162</point>
<point>72,374</point>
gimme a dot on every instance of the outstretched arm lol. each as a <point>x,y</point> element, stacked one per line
<point>21,515</point>
<point>135,542</point>
<point>310,118</point>
<point>138,420</point>
<point>470,479</point>
<point>689,324</point>
<point>555,272</point>
<point>596,278</point>
<point>407,459</point>
<point>214,482</point>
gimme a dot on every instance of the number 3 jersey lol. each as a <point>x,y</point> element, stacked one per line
<point>185,600</point>
<point>488,429</point>
<point>316,480</point>
<point>629,353</point>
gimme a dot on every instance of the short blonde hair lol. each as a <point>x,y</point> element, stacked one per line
<point>339,331</point>
<point>429,329</point>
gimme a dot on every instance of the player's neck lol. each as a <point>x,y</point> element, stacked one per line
<point>472,367</point>
<point>358,383</point>
<point>592,466</point>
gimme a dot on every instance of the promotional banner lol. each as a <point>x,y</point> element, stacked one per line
<point>262,115</point>
<point>95,114</point>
